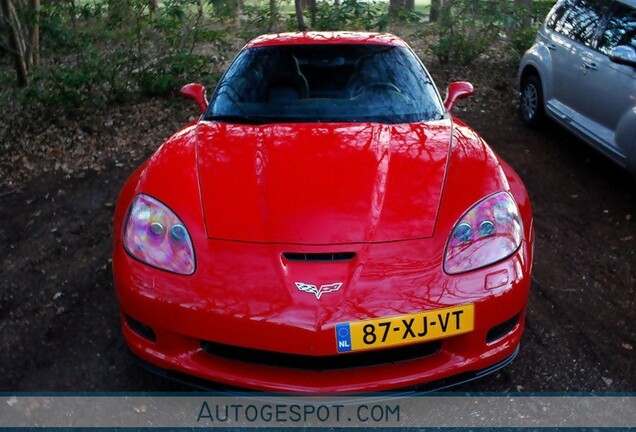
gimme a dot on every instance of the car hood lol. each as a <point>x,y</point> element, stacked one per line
<point>321,183</point>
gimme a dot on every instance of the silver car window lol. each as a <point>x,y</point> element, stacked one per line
<point>620,30</point>
<point>581,22</point>
<point>557,15</point>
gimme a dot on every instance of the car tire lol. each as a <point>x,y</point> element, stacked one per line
<point>531,107</point>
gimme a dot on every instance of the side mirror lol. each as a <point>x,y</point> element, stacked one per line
<point>197,93</point>
<point>623,54</point>
<point>456,91</point>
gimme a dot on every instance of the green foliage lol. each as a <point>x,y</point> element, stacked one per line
<point>110,50</point>
<point>352,15</point>
<point>224,9</point>
<point>523,25</point>
<point>257,19</point>
<point>522,37</point>
<point>540,9</point>
<point>100,54</point>
<point>467,29</point>
<point>402,16</point>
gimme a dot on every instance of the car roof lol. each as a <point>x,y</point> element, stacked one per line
<point>318,38</point>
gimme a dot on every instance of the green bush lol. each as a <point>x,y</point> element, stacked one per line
<point>467,29</point>
<point>96,54</point>
<point>522,37</point>
<point>108,50</point>
<point>256,19</point>
<point>352,15</point>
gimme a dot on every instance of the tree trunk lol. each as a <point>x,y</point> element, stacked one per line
<point>17,44</point>
<point>527,18</point>
<point>299,15</point>
<point>33,52</point>
<point>273,15</point>
<point>2,32</point>
<point>235,8</point>
<point>396,5</point>
<point>436,5</point>
<point>311,5</point>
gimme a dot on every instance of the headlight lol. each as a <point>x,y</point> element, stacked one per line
<point>489,232</point>
<point>155,235</point>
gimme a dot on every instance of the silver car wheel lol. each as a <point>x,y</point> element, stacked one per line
<point>529,99</point>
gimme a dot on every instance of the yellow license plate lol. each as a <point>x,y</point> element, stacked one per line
<point>405,329</point>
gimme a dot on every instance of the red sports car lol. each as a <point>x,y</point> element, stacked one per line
<point>326,225</point>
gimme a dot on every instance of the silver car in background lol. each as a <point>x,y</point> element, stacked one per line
<point>581,72</point>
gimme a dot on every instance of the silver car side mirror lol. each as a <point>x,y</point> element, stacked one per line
<point>623,54</point>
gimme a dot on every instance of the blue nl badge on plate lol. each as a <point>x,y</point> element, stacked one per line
<point>343,337</point>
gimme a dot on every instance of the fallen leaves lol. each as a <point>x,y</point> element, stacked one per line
<point>85,139</point>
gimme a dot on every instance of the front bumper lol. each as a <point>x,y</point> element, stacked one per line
<point>209,386</point>
<point>285,341</point>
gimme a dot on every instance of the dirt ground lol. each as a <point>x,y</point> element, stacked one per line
<point>59,328</point>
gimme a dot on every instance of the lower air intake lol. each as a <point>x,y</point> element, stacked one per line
<point>322,363</point>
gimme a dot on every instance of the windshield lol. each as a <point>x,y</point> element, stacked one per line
<point>325,83</point>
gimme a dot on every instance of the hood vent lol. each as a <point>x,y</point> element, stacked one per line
<point>335,256</point>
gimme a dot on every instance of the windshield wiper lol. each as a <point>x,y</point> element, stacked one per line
<point>235,118</point>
